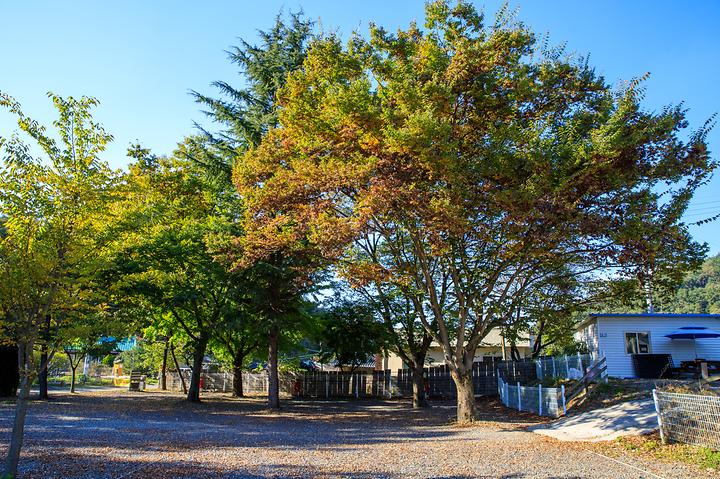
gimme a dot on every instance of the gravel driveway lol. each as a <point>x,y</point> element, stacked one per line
<point>139,435</point>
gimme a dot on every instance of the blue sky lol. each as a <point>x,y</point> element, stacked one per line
<point>140,58</point>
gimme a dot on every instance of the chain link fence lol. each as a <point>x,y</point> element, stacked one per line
<point>568,367</point>
<point>688,418</point>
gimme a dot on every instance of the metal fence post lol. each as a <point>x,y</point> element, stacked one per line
<point>580,366</point>
<point>519,397</point>
<point>554,367</point>
<point>567,367</point>
<point>562,391</point>
<point>659,419</point>
<point>540,399</point>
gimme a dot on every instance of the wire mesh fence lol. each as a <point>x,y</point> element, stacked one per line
<point>689,418</point>
<point>535,399</point>
<point>568,367</point>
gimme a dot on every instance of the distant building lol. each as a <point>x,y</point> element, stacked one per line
<point>492,346</point>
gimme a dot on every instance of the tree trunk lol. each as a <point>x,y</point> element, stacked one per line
<point>193,394</point>
<point>237,375</point>
<point>273,376</point>
<point>43,374</point>
<point>72,378</point>
<point>18,430</point>
<point>163,367</point>
<point>177,368</point>
<point>420,399</point>
<point>515,352</point>
<point>465,396</point>
<point>73,368</point>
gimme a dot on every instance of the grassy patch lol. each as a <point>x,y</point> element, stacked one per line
<point>702,457</point>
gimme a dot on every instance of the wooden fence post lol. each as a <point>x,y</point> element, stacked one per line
<point>562,391</point>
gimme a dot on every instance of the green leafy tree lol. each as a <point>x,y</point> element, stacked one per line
<point>244,116</point>
<point>53,206</point>
<point>699,291</point>
<point>392,303</point>
<point>167,254</point>
<point>657,248</point>
<point>494,158</point>
<point>351,335</point>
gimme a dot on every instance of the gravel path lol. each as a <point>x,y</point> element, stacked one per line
<point>113,435</point>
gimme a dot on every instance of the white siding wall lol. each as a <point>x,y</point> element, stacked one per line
<point>611,340</point>
<point>588,335</point>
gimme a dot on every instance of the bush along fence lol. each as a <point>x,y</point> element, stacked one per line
<point>688,418</point>
<point>544,401</point>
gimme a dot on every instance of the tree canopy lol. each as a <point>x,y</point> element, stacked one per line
<point>481,158</point>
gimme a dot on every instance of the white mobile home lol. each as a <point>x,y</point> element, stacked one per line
<point>619,336</point>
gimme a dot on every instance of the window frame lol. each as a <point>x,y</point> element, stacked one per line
<point>637,341</point>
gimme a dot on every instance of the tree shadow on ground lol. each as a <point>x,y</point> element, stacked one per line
<point>108,468</point>
<point>106,436</point>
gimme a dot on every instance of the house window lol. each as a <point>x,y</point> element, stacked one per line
<point>637,343</point>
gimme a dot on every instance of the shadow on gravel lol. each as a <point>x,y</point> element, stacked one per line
<point>133,435</point>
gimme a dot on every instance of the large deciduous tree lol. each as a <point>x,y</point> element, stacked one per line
<point>491,159</point>
<point>53,207</point>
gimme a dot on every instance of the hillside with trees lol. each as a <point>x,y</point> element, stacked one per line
<point>700,291</point>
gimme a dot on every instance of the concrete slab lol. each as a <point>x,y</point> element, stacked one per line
<point>628,418</point>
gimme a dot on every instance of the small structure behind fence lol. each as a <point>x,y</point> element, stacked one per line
<point>535,399</point>
<point>688,418</point>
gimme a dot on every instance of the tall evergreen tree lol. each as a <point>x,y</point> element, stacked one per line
<point>244,116</point>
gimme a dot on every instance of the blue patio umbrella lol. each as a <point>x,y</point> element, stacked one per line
<point>693,332</point>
